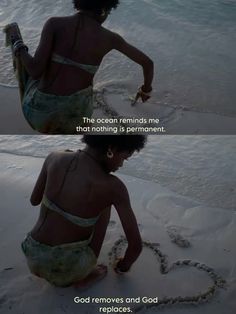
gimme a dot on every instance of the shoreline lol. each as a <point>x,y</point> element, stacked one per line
<point>175,122</point>
<point>165,219</point>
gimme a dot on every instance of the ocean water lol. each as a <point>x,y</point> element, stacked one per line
<point>192,43</point>
<point>202,168</point>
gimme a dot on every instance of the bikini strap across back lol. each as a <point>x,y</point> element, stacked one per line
<point>82,222</point>
<point>92,69</point>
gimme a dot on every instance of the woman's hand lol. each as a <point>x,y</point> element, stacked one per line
<point>118,267</point>
<point>15,39</point>
<point>142,93</point>
<point>13,32</point>
<point>18,46</point>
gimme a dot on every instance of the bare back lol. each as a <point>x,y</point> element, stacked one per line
<point>80,187</point>
<point>81,39</point>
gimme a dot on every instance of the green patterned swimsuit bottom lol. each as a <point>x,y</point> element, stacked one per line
<point>53,114</point>
<point>64,264</point>
<point>61,265</point>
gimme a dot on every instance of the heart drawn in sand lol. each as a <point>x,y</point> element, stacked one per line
<point>218,281</point>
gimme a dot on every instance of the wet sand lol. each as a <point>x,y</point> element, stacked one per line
<point>177,121</point>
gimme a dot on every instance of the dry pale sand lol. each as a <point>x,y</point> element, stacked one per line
<point>179,227</point>
<point>175,121</point>
<point>12,120</point>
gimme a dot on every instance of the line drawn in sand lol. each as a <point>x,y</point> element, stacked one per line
<point>165,268</point>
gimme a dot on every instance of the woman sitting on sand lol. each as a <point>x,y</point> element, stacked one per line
<point>59,92</point>
<point>76,192</point>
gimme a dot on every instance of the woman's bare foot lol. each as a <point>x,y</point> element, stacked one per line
<point>96,275</point>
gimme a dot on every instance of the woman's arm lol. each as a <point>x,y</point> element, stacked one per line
<point>129,223</point>
<point>36,65</point>
<point>137,56</point>
<point>38,191</point>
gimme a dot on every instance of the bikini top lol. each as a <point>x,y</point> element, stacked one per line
<point>92,69</point>
<point>82,222</point>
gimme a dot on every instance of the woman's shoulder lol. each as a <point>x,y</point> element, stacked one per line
<point>111,34</point>
<point>57,21</point>
<point>119,194</point>
<point>114,38</point>
<point>116,183</point>
<point>60,157</point>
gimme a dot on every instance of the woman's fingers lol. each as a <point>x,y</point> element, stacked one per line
<point>115,266</point>
<point>136,99</point>
<point>144,97</point>
<point>14,35</point>
<point>14,38</point>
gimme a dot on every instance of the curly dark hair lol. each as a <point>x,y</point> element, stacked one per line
<point>96,6</point>
<point>129,143</point>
